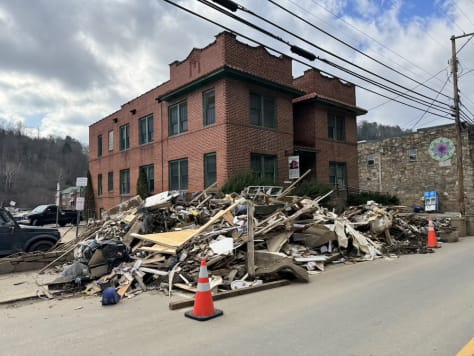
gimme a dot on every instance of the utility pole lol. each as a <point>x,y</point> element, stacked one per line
<point>454,63</point>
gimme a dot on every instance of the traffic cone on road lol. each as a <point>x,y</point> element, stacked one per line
<point>203,304</point>
<point>432,240</point>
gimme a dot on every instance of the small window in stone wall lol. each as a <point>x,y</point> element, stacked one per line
<point>412,154</point>
<point>370,160</point>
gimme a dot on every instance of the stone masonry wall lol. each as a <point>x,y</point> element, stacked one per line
<point>409,179</point>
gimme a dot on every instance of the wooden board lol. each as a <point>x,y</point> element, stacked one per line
<point>159,249</point>
<point>168,239</point>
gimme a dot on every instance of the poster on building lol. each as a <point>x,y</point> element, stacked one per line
<point>294,167</point>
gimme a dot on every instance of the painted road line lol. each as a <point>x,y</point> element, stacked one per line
<point>467,350</point>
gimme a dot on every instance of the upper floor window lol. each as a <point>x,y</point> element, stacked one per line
<point>149,171</point>
<point>262,111</point>
<point>178,118</point>
<point>99,185</point>
<point>145,128</point>
<point>210,169</point>
<point>336,127</point>
<point>178,171</point>
<point>338,174</point>
<point>124,137</point>
<point>99,146</point>
<point>209,107</point>
<point>111,140</point>
<point>412,154</point>
<point>264,166</point>
<point>125,181</point>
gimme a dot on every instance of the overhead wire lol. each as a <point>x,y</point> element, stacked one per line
<point>424,113</point>
<point>349,45</point>
<point>333,64</point>
<point>427,80</point>
<point>289,56</point>
<point>365,34</point>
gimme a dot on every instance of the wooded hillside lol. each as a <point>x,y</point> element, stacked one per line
<point>31,167</point>
<point>374,131</point>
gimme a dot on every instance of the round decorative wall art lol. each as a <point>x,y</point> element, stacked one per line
<point>441,149</point>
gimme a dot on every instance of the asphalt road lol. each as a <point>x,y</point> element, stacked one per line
<point>414,305</point>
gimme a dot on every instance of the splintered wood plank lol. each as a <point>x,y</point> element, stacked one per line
<point>168,239</point>
<point>159,249</point>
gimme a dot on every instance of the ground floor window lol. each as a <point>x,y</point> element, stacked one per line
<point>149,171</point>
<point>264,166</point>
<point>178,174</point>
<point>125,181</point>
<point>210,169</point>
<point>338,174</point>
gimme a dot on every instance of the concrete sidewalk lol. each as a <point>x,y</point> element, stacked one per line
<point>23,285</point>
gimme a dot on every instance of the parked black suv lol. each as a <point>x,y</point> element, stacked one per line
<point>20,238</point>
<point>47,214</point>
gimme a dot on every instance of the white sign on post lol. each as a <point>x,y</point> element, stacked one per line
<point>81,182</point>
<point>80,203</point>
<point>294,167</point>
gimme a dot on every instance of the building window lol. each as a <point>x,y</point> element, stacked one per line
<point>336,127</point>
<point>178,172</point>
<point>262,111</point>
<point>145,126</point>
<point>412,154</point>
<point>149,171</point>
<point>210,169</point>
<point>264,166</point>
<point>111,140</point>
<point>125,181</point>
<point>178,118</point>
<point>338,174</point>
<point>371,160</point>
<point>99,185</point>
<point>110,181</point>
<point>124,137</point>
<point>209,107</point>
<point>99,146</point>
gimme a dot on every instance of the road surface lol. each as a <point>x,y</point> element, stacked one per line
<point>413,305</point>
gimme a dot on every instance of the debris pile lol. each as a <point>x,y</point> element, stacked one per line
<point>159,243</point>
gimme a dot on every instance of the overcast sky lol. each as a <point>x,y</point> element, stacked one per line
<point>66,64</point>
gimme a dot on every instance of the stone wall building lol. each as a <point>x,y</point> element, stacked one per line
<point>227,108</point>
<point>424,161</point>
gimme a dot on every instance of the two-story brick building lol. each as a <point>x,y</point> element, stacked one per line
<point>227,108</point>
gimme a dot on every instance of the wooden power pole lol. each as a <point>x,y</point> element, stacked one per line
<point>454,63</point>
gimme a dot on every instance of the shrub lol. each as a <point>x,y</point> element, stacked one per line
<point>381,198</point>
<point>239,181</point>
<point>311,189</point>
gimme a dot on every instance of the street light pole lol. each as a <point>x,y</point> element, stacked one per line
<point>460,168</point>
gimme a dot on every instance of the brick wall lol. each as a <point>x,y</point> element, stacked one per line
<point>314,82</point>
<point>232,137</point>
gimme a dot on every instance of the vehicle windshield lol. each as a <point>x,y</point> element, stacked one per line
<point>38,209</point>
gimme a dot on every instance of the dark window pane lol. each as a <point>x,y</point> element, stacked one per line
<point>210,169</point>
<point>255,109</point>
<point>209,107</point>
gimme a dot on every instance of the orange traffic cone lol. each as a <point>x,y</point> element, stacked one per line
<point>203,304</point>
<point>432,240</point>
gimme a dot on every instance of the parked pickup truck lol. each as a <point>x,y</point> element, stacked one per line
<point>20,238</point>
<point>46,214</point>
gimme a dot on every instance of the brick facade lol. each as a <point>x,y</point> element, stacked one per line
<point>409,178</point>
<point>234,71</point>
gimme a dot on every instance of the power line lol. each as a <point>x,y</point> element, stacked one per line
<point>280,52</point>
<point>350,46</point>
<point>234,6</point>
<point>388,101</point>
<point>366,35</point>
<point>423,115</point>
